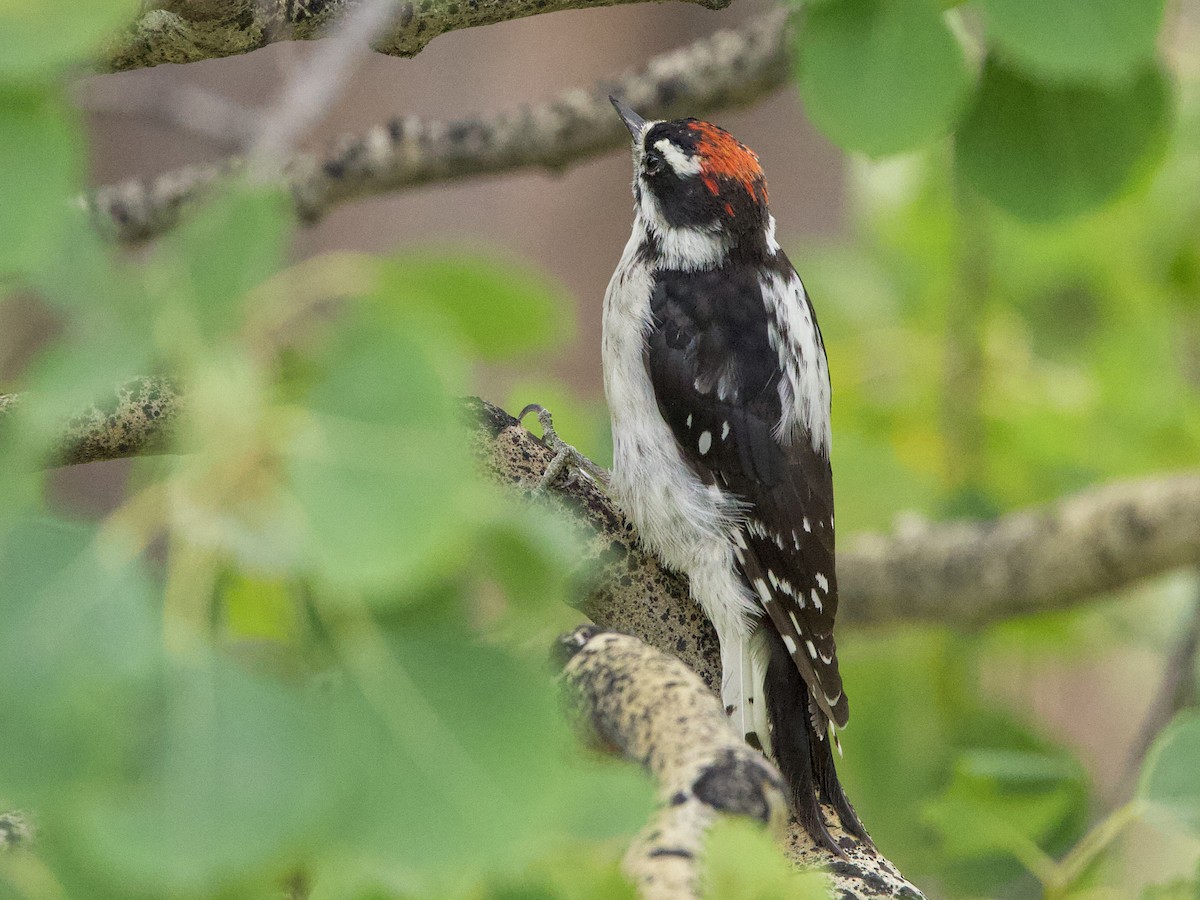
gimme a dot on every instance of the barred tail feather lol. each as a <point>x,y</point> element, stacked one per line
<point>802,751</point>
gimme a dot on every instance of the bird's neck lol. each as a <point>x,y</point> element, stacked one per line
<point>701,249</point>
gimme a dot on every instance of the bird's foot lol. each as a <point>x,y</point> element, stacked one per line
<point>564,454</point>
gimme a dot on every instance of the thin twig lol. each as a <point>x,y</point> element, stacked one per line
<point>315,86</point>
<point>1174,693</point>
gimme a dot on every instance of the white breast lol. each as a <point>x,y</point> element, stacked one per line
<point>682,520</point>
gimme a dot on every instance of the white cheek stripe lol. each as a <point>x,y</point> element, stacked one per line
<point>680,162</point>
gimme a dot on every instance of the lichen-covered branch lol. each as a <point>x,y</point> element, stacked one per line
<point>136,421</point>
<point>968,573</point>
<point>729,68</point>
<point>16,830</point>
<point>960,574</point>
<point>650,707</point>
<point>179,31</point>
<point>653,709</point>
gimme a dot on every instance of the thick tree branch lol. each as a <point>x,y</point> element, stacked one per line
<point>650,707</point>
<point>136,421</point>
<point>1046,557</point>
<point>181,31</point>
<point>726,69</point>
<point>960,574</point>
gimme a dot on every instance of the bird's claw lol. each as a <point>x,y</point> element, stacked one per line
<point>564,453</point>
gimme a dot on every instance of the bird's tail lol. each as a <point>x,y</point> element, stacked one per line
<point>802,748</point>
<point>743,675</point>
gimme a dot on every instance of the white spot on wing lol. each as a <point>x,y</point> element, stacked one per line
<point>705,442</point>
<point>823,582</point>
<point>812,651</point>
<point>689,420</point>
<point>816,600</point>
<point>724,430</point>
<point>789,643</point>
<point>763,591</point>
<point>807,525</point>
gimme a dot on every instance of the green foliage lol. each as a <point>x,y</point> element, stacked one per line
<point>1170,784</point>
<point>334,671</point>
<point>1079,341</point>
<point>1006,803</point>
<point>1045,151</point>
<point>337,671</point>
<point>1071,109</point>
<point>881,76</point>
<point>744,863</point>
<point>38,139</point>
<point>1102,39</point>
<point>500,308</point>
<point>38,39</point>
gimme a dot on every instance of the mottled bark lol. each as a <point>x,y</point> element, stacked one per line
<point>651,708</point>
<point>958,573</point>
<point>137,420</point>
<point>183,31</point>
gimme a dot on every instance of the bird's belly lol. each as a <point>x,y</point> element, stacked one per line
<point>682,520</point>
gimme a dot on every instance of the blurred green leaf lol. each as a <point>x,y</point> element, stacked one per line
<point>534,553</point>
<point>1043,152</point>
<point>41,162</point>
<point>881,76</point>
<point>500,308</point>
<point>1179,889</point>
<point>240,784</point>
<point>1006,802</point>
<point>256,607</point>
<point>37,38</point>
<point>742,862</point>
<point>218,253</point>
<point>81,654</point>
<point>471,768</point>
<point>381,468</point>
<point>1170,781</point>
<point>1064,39</point>
<point>575,872</point>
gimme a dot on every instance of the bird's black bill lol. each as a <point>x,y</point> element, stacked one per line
<point>632,120</point>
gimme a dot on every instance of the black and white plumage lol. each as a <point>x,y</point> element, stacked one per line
<point>718,390</point>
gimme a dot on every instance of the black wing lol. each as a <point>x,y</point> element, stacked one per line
<point>716,377</point>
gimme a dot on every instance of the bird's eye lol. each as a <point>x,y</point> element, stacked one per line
<point>654,163</point>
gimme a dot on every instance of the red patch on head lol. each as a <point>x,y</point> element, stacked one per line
<point>722,156</point>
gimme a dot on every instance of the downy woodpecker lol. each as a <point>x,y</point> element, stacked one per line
<point>718,389</point>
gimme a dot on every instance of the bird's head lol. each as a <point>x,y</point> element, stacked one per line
<point>694,176</point>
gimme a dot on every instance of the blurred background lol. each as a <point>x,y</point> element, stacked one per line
<point>981,361</point>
